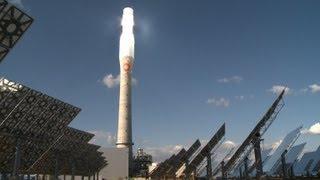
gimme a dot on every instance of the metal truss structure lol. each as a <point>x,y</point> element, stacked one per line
<point>218,166</point>
<point>184,159</point>
<point>32,124</point>
<point>175,160</point>
<point>163,167</point>
<point>71,154</point>
<point>13,24</point>
<point>205,151</point>
<point>254,138</point>
<point>156,171</point>
<point>168,168</point>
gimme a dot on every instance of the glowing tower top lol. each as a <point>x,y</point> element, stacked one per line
<point>127,38</point>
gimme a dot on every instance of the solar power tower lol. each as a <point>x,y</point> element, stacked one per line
<point>204,153</point>
<point>252,142</point>
<point>13,24</point>
<point>30,123</point>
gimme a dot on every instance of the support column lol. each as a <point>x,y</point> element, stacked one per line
<point>72,170</point>
<point>291,171</point>
<point>240,172</point>
<point>56,167</point>
<point>209,166</point>
<point>194,173</point>
<point>4,176</point>
<point>17,159</point>
<point>28,177</point>
<point>283,164</point>
<point>246,174</point>
<point>257,155</point>
<point>223,172</point>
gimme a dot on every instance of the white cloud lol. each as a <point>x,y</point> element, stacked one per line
<point>219,102</point>
<point>160,154</point>
<point>313,130</point>
<point>314,88</point>
<point>233,79</point>
<point>244,97</point>
<point>272,146</point>
<point>112,81</point>
<point>304,90</point>
<point>240,97</point>
<point>277,89</point>
<point>229,144</point>
<point>17,3</point>
<point>103,138</point>
<point>226,148</point>
<point>134,81</point>
<point>153,165</point>
<point>275,145</point>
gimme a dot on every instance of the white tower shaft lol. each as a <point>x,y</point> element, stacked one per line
<point>126,58</point>
<point>124,138</point>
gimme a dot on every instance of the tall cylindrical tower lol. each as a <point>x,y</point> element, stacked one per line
<point>126,58</point>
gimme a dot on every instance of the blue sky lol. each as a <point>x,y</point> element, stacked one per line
<point>197,65</point>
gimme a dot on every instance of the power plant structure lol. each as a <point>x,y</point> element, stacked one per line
<point>126,58</point>
<point>187,164</point>
<point>36,140</point>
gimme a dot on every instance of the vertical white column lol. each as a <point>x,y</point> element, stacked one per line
<point>126,58</point>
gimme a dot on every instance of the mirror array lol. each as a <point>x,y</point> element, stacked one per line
<point>206,150</point>
<point>171,167</point>
<point>13,24</point>
<point>34,133</point>
<point>37,125</point>
<point>72,150</point>
<point>247,146</point>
